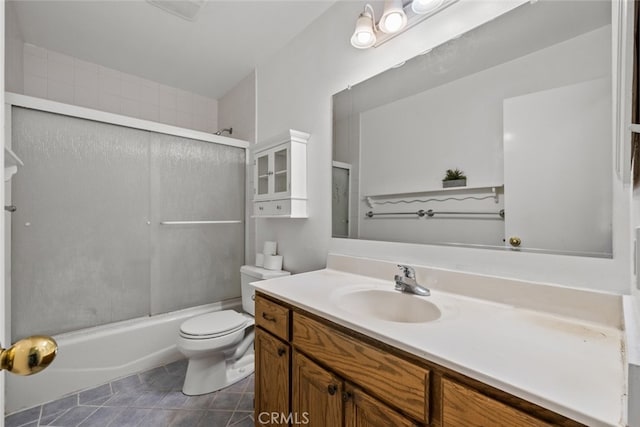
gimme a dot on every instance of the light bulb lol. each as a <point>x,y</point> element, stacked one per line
<point>425,6</point>
<point>364,37</point>
<point>393,17</point>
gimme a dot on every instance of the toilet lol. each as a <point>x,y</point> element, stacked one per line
<point>219,345</point>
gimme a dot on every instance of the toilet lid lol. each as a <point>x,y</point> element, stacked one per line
<point>214,324</point>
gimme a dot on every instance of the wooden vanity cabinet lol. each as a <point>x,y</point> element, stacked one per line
<point>324,375</point>
<point>272,380</point>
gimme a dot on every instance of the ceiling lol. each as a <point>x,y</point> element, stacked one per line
<point>208,56</point>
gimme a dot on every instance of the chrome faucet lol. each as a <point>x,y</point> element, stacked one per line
<point>407,282</point>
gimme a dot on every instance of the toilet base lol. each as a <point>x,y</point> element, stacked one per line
<point>208,374</point>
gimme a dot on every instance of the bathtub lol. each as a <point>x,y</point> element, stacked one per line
<point>90,357</point>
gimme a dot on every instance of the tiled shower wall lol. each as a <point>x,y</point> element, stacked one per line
<point>52,75</point>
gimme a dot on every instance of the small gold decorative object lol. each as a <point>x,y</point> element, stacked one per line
<point>515,241</point>
<point>29,355</point>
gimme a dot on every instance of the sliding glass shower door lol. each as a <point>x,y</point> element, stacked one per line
<point>88,244</point>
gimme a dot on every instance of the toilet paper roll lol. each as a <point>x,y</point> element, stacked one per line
<point>259,260</point>
<point>270,248</point>
<point>273,262</point>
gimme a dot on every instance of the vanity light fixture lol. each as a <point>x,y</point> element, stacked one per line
<point>393,17</point>
<point>397,16</point>
<point>365,35</point>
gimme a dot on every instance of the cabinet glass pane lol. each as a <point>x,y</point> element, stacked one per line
<point>263,166</point>
<point>281,182</point>
<point>263,185</point>
<point>280,160</point>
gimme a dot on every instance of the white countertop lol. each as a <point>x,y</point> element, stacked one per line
<point>569,366</point>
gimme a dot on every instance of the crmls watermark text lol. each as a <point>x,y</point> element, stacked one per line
<point>293,418</point>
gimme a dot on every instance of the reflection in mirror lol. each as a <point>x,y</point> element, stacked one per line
<point>522,106</point>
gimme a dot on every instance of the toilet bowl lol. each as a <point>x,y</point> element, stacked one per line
<point>219,345</point>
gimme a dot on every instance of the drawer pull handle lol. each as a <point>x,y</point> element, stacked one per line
<point>278,207</point>
<point>268,317</point>
<point>281,351</point>
<point>261,208</point>
<point>332,388</point>
<point>346,396</point>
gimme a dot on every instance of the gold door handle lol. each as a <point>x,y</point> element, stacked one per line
<point>29,355</point>
<point>515,241</point>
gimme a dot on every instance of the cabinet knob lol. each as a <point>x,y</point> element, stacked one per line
<point>268,317</point>
<point>278,207</point>
<point>515,241</point>
<point>261,208</point>
<point>282,351</point>
<point>332,388</point>
<point>346,396</point>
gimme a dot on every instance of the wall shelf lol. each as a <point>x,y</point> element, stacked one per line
<point>432,195</point>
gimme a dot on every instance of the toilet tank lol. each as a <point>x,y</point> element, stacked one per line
<point>251,273</point>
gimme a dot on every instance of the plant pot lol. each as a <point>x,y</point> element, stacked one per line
<point>454,183</point>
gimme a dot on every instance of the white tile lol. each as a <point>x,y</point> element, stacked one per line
<point>109,80</point>
<point>86,96</point>
<point>60,91</point>
<point>184,101</point>
<point>60,67</point>
<point>150,112</point>
<point>201,123</point>
<point>35,65</point>
<point>149,92</point>
<point>35,86</point>
<point>86,73</point>
<point>183,119</point>
<point>130,87</point>
<point>167,97</point>
<point>200,104</point>
<point>30,49</point>
<point>130,107</point>
<point>168,116</point>
<point>109,102</point>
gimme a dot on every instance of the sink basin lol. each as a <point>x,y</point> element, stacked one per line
<point>392,306</point>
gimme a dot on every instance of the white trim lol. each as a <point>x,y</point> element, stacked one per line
<point>347,166</point>
<point>117,119</point>
<point>622,62</point>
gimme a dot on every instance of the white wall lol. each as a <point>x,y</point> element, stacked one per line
<point>294,90</point>
<point>237,110</point>
<point>14,74</point>
<point>62,78</point>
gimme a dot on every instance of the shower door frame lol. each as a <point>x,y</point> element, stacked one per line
<point>18,100</point>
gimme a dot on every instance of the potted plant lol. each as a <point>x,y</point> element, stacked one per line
<point>454,178</point>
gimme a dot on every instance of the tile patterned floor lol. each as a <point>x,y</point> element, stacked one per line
<point>149,399</point>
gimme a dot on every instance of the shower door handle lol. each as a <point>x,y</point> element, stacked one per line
<point>29,355</point>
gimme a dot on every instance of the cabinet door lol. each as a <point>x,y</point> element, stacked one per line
<point>262,174</point>
<point>463,406</point>
<point>281,168</point>
<point>272,380</point>
<point>317,394</point>
<point>362,410</point>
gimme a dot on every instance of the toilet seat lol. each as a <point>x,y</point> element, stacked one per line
<point>213,325</point>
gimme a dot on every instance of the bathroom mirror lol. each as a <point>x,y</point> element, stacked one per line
<point>521,105</point>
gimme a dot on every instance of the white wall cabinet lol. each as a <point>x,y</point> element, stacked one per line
<point>280,176</point>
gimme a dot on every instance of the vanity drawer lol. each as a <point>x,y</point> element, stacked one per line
<point>273,317</point>
<point>386,377</point>
<point>464,406</point>
<point>272,208</point>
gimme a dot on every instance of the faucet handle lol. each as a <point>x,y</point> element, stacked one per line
<point>408,271</point>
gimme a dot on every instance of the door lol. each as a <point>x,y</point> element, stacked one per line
<point>552,201</point>
<point>362,410</point>
<point>317,394</point>
<point>340,201</point>
<point>272,380</point>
